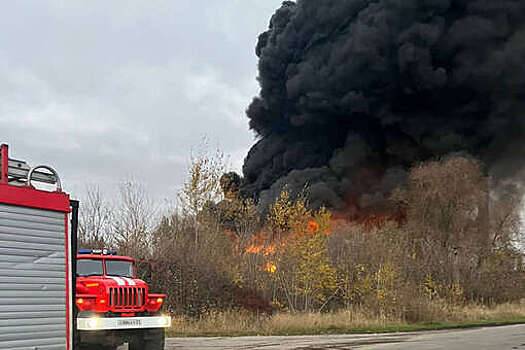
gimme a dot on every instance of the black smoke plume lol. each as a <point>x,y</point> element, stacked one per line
<point>353,92</point>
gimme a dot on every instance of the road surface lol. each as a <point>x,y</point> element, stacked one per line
<point>499,338</point>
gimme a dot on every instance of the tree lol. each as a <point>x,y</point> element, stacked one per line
<point>203,183</point>
<point>294,255</point>
<point>134,220</point>
<point>449,202</point>
<point>202,186</point>
<point>307,264</point>
<point>95,221</point>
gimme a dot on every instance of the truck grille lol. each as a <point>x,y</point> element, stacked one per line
<point>127,297</point>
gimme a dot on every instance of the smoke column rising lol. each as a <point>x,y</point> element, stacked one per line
<point>353,92</point>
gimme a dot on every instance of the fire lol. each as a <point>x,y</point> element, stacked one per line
<point>270,267</point>
<point>269,247</point>
<point>263,243</point>
<point>265,249</point>
<point>260,243</point>
<point>312,227</point>
<point>269,250</point>
<point>370,218</point>
<point>254,249</point>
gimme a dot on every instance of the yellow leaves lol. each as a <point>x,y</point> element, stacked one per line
<point>288,215</point>
<point>453,293</point>
<point>323,218</point>
<point>308,258</point>
<point>430,287</point>
<point>294,252</point>
<point>203,182</point>
<point>386,278</point>
<point>386,275</point>
<point>456,293</point>
<point>375,288</point>
<point>359,285</point>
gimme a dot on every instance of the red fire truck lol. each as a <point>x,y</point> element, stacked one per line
<point>114,306</point>
<point>52,298</point>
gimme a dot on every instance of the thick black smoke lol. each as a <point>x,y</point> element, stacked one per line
<point>353,92</point>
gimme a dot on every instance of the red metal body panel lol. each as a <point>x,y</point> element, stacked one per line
<point>33,198</point>
<point>68,282</point>
<point>4,154</point>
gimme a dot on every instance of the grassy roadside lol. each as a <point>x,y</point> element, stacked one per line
<point>234,324</point>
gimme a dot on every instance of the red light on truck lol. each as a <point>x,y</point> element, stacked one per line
<point>156,301</point>
<point>92,285</point>
<point>85,303</point>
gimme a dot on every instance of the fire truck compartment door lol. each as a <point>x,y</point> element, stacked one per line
<point>32,279</point>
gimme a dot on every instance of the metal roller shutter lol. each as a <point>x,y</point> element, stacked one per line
<point>32,279</point>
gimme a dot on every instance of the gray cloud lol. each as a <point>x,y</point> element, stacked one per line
<point>106,91</point>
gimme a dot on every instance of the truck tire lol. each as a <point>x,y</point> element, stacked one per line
<point>149,340</point>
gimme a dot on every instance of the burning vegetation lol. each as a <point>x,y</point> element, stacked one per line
<point>444,254</point>
<point>387,131</point>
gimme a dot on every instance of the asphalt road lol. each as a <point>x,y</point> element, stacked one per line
<point>499,338</point>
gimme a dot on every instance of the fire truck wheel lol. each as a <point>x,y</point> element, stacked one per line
<point>148,340</point>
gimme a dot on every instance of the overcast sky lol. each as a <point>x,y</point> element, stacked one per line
<point>110,90</point>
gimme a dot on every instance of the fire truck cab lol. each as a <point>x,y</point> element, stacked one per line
<point>114,306</point>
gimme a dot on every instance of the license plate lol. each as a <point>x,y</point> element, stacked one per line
<point>129,323</point>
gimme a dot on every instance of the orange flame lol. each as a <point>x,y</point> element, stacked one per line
<point>269,250</point>
<point>263,243</point>
<point>312,227</point>
<point>254,249</point>
<point>260,243</point>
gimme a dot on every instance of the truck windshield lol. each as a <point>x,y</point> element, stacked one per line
<point>119,268</point>
<point>89,267</point>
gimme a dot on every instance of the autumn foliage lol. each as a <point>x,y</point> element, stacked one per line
<point>454,239</point>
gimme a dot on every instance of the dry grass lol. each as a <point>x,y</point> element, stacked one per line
<point>348,321</point>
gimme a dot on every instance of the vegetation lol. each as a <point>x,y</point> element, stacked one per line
<point>445,253</point>
<point>347,321</point>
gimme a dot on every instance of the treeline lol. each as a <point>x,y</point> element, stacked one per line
<point>452,241</point>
